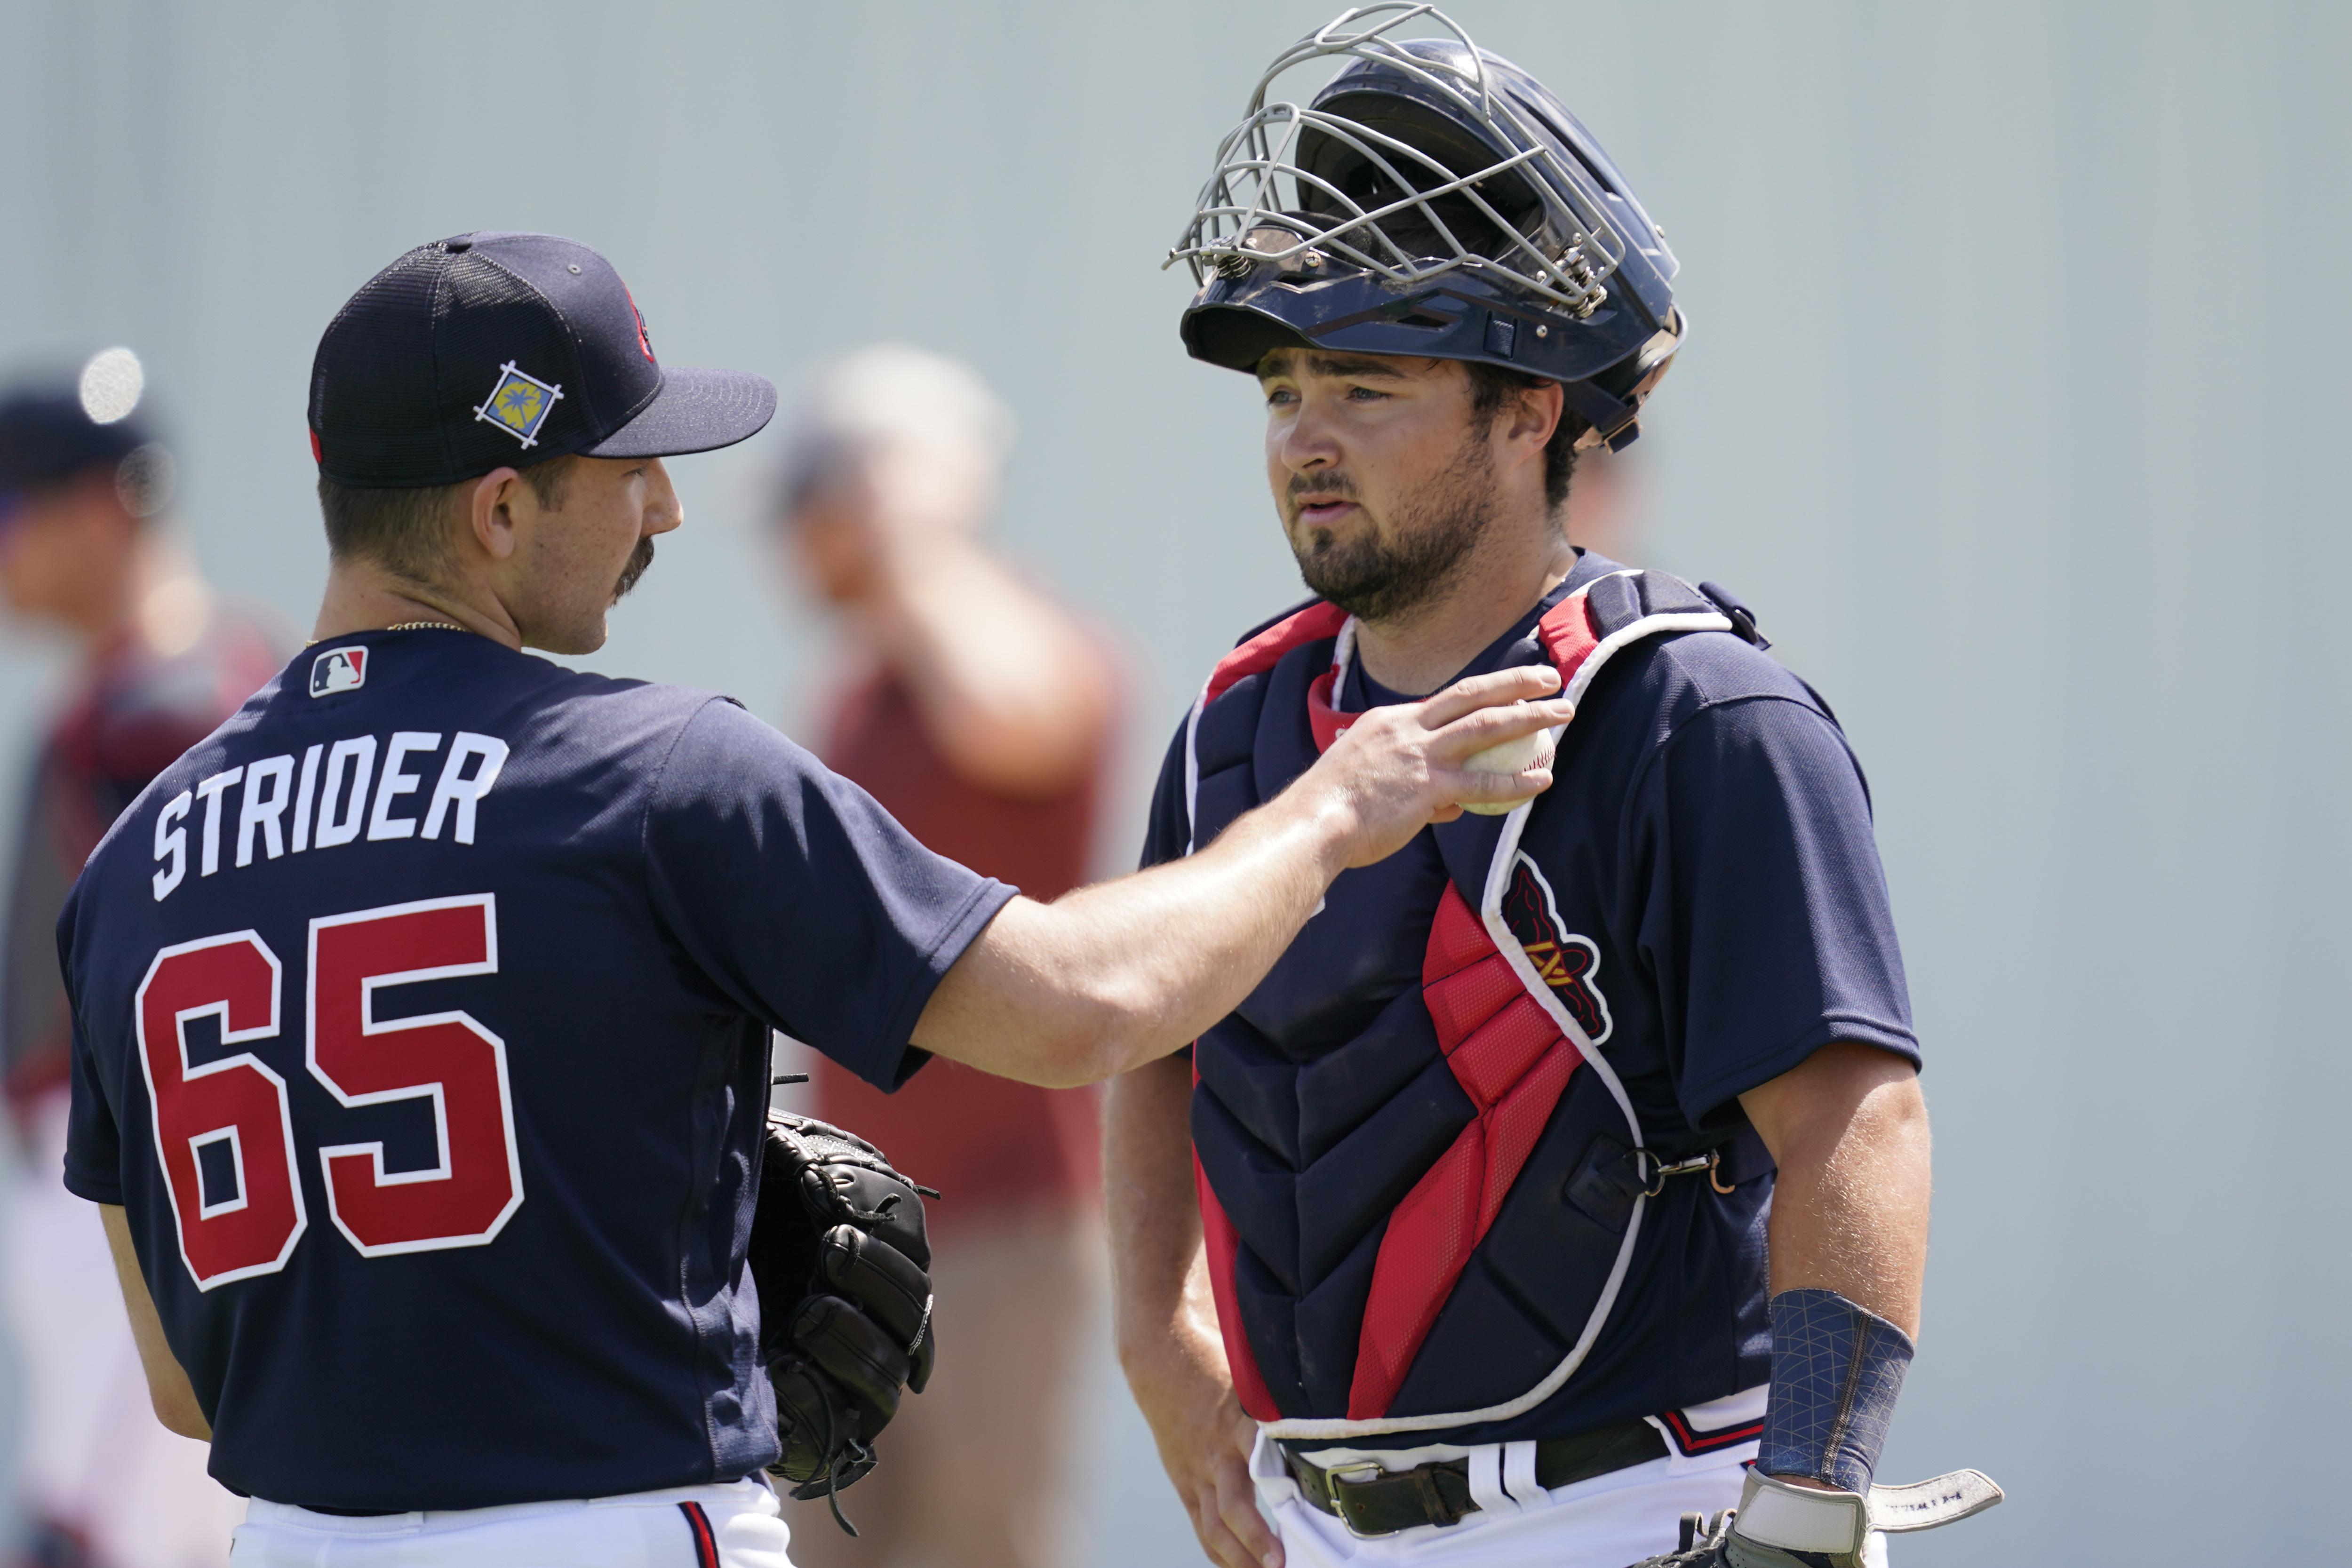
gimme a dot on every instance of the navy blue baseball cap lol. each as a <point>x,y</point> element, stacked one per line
<point>488,351</point>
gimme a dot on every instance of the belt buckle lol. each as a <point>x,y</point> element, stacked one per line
<point>1357,1472</point>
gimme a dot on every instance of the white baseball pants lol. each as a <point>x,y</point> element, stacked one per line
<point>730,1526</point>
<point>1609,1521</point>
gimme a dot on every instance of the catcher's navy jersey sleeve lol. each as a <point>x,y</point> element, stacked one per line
<point>1765,919</point>
<point>1166,830</point>
<point>791,888</point>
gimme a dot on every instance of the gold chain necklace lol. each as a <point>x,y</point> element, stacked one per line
<point>404,626</point>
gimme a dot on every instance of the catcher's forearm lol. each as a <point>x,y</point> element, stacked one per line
<point>1158,1286</point>
<point>1849,1132</point>
<point>1848,1245</point>
<point>1164,1312</point>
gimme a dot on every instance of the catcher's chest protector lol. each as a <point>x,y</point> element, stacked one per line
<point>1417,1208</point>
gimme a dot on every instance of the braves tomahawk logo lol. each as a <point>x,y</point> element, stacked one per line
<point>1569,964</point>
<point>338,670</point>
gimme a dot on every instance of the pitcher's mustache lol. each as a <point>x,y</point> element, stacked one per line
<point>639,558</point>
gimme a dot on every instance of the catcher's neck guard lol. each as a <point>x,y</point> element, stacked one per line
<point>1431,200</point>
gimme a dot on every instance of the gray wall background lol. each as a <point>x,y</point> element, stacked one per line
<point>2019,354</point>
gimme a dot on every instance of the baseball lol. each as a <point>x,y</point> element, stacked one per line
<point>1511,757</point>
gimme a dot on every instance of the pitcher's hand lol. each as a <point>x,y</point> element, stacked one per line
<point>1396,769</point>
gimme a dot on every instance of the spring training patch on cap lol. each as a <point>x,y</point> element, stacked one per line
<point>518,404</point>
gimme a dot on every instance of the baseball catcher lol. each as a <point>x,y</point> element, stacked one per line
<point>1569,1171</point>
<point>839,1232</point>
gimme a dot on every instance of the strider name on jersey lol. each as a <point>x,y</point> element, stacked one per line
<point>337,796</point>
<point>421,1031</point>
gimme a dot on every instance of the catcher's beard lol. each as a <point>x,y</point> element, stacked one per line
<point>639,558</point>
<point>1432,534</point>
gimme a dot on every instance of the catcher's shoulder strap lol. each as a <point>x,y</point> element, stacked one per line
<point>1589,627</point>
<point>1581,635</point>
<point>1256,654</point>
<point>1263,647</point>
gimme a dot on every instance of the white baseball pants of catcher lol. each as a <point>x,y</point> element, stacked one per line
<point>733,1525</point>
<point>1610,1522</point>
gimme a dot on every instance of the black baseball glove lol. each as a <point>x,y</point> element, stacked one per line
<point>1702,1545</point>
<point>1713,1543</point>
<point>1716,1544</point>
<point>1835,1525</point>
<point>839,1256</point>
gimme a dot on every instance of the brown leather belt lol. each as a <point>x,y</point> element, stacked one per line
<point>1371,1501</point>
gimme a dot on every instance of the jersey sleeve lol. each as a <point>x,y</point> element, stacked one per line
<point>1767,923</point>
<point>1168,830</point>
<point>93,1137</point>
<point>800,897</point>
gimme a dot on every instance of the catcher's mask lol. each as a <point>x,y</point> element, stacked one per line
<point>1431,200</point>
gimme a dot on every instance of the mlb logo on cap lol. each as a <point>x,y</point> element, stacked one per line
<point>338,670</point>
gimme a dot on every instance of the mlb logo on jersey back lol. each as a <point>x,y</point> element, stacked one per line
<point>338,670</point>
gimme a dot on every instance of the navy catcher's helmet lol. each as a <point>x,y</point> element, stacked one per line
<point>1434,200</point>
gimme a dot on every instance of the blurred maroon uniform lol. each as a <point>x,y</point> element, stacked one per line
<point>104,1486</point>
<point>135,711</point>
<point>990,1143</point>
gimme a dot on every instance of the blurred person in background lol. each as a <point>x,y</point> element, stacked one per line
<point>1608,505</point>
<point>977,712</point>
<point>161,663</point>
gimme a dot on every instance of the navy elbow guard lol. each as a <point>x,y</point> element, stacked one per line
<point>1837,1369</point>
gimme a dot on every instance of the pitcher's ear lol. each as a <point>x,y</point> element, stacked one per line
<point>489,515</point>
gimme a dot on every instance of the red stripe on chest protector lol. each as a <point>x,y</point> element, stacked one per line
<point>1568,635</point>
<point>1513,1063</point>
<point>1565,632</point>
<point>1328,722</point>
<point>1265,650</point>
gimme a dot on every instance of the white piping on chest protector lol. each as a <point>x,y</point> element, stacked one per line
<point>1499,931</point>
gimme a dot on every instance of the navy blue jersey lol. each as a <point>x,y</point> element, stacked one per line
<point>421,1026</point>
<point>1704,878</point>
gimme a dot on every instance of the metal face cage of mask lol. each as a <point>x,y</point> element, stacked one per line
<point>1471,209</point>
<point>1476,186</point>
